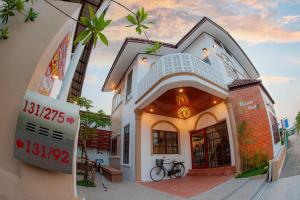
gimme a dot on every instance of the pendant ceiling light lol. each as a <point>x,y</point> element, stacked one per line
<point>183,101</point>
<point>184,112</point>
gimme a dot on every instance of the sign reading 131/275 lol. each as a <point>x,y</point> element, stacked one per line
<point>46,132</point>
<point>47,113</point>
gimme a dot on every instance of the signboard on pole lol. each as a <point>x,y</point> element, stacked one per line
<point>285,123</point>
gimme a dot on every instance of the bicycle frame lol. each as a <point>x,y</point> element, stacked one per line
<point>171,171</point>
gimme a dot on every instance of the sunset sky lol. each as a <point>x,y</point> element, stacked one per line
<point>268,31</point>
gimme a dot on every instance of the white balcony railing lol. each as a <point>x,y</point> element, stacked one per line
<point>179,63</point>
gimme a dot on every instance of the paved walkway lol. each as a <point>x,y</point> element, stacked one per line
<point>136,191</point>
<point>283,189</point>
<point>292,162</point>
<point>123,191</point>
<point>287,187</point>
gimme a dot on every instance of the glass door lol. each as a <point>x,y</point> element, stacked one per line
<point>210,147</point>
<point>199,149</point>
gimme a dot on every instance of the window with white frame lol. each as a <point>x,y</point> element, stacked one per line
<point>114,146</point>
<point>129,86</point>
<point>126,144</point>
<point>165,142</point>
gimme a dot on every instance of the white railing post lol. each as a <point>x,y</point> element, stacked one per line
<point>66,84</point>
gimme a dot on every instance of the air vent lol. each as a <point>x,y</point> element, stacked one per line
<point>44,131</point>
<point>57,135</point>
<point>30,127</point>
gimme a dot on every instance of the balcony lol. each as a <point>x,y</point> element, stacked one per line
<point>181,64</point>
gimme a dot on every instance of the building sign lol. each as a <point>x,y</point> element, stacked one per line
<point>46,133</point>
<point>285,123</point>
<point>56,67</point>
<point>246,106</point>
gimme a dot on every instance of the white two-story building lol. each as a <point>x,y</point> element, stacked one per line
<point>177,104</point>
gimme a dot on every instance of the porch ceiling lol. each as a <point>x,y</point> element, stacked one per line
<point>167,104</point>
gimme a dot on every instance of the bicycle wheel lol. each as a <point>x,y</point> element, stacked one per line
<point>179,170</point>
<point>157,173</point>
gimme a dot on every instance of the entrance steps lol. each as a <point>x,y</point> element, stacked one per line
<point>219,171</point>
<point>235,189</point>
<point>249,190</point>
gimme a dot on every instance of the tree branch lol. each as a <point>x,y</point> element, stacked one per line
<point>124,7</point>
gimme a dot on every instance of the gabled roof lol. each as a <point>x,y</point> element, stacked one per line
<point>133,46</point>
<point>242,83</point>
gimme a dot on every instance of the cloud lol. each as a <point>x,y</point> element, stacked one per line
<point>253,21</point>
<point>90,79</point>
<point>277,79</point>
<point>289,19</point>
<point>294,61</point>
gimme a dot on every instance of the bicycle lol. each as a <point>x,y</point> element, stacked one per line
<point>158,172</point>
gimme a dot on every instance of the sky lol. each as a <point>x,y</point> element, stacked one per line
<point>268,31</point>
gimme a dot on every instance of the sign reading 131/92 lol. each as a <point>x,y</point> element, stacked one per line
<point>46,133</point>
<point>44,151</point>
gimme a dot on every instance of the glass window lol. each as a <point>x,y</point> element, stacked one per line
<point>165,142</point>
<point>129,85</point>
<point>206,59</point>
<point>218,42</point>
<point>126,145</point>
<point>114,146</point>
<point>227,51</point>
<point>275,128</point>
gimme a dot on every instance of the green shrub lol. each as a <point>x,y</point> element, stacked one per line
<point>254,172</point>
<point>86,183</point>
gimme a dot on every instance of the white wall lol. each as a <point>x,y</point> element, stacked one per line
<point>214,53</point>
<point>270,108</point>
<point>184,126</point>
<point>94,154</point>
<point>128,117</point>
<point>148,160</point>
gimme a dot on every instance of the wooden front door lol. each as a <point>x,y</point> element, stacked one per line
<point>210,147</point>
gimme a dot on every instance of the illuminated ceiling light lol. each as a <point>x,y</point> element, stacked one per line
<point>180,90</point>
<point>151,110</point>
<point>182,99</point>
<point>184,112</point>
<point>55,76</point>
<point>214,46</point>
<point>215,102</point>
<point>113,87</point>
<point>144,60</point>
<point>54,73</point>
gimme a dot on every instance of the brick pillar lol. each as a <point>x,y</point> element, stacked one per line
<point>138,117</point>
<point>234,136</point>
<point>248,106</point>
